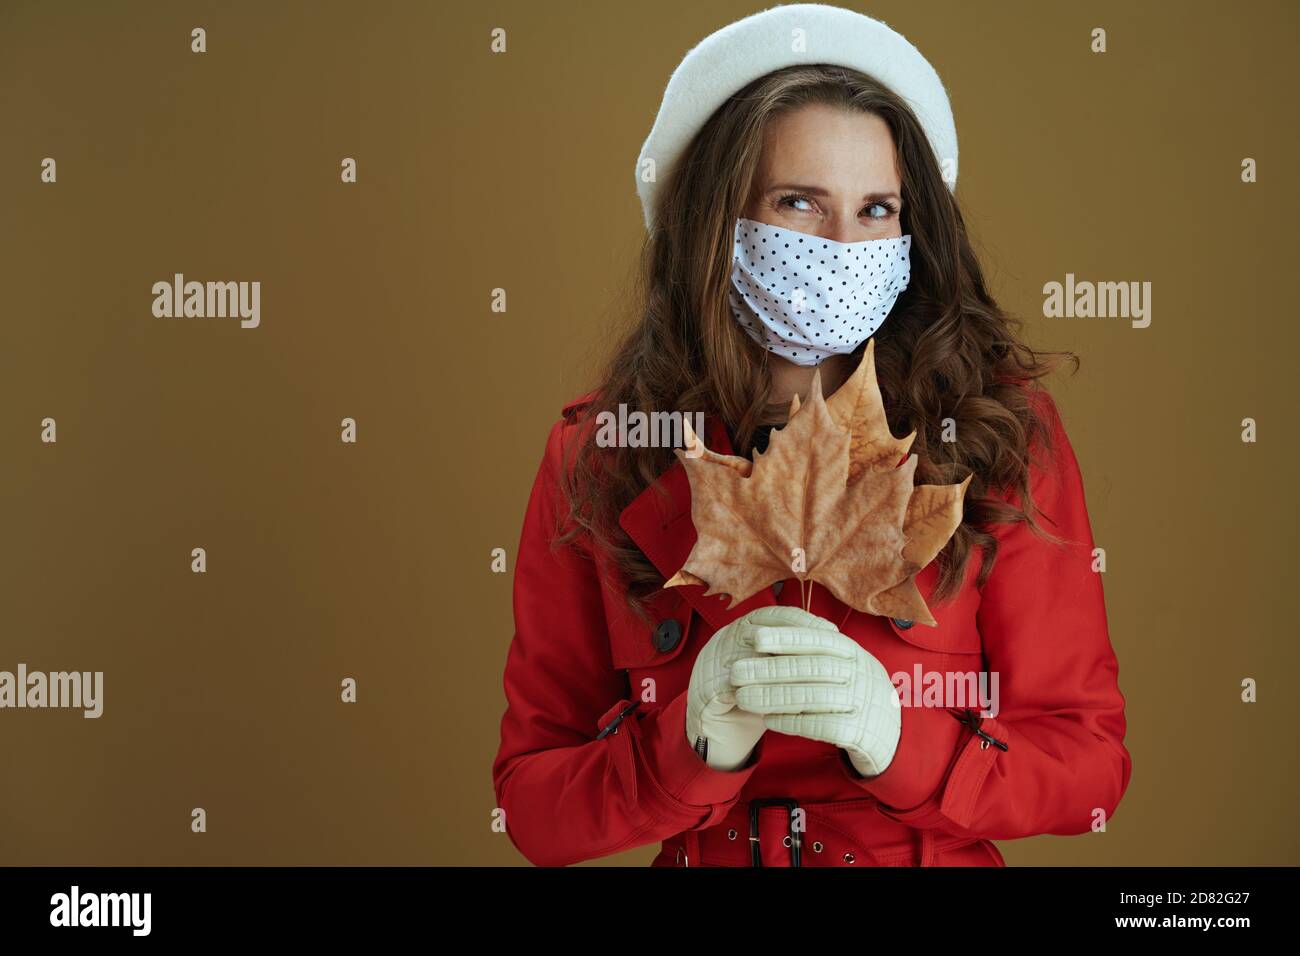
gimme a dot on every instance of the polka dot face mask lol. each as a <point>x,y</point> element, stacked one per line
<point>807,298</point>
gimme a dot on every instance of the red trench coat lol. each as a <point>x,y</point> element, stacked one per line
<point>579,658</point>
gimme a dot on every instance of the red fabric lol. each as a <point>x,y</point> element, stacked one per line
<point>578,657</point>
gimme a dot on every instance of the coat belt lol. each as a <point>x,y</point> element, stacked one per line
<point>843,833</point>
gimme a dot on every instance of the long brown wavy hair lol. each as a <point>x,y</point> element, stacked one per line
<point>946,349</point>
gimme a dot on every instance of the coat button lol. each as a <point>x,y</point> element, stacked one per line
<point>901,624</point>
<point>667,635</point>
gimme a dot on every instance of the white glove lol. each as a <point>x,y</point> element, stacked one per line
<point>718,730</point>
<point>814,682</point>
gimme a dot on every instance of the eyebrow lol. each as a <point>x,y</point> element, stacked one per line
<point>818,191</point>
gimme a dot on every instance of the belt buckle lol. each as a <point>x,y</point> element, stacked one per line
<point>796,842</point>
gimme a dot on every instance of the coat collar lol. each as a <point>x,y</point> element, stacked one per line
<point>659,521</point>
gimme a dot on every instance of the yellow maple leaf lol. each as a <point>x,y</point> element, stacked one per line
<point>827,503</point>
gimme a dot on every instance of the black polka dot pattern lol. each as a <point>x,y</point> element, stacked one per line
<point>807,298</point>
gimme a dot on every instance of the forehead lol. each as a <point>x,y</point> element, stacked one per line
<point>847,147</point>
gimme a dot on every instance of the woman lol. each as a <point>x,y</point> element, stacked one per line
<point>627,721</point>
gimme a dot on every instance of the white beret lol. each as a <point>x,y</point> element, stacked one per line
<point>725,61</point>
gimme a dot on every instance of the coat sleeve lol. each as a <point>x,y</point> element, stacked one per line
<point>568,796</point>
<point>1042,621</point>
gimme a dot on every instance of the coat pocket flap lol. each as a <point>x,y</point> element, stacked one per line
<point>637,643</point>
<point>955,633</point>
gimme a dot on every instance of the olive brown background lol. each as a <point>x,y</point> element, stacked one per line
<point>480,171</point>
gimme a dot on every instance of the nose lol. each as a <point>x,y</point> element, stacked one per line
<point>846,226</point>
<point>843,226</point>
